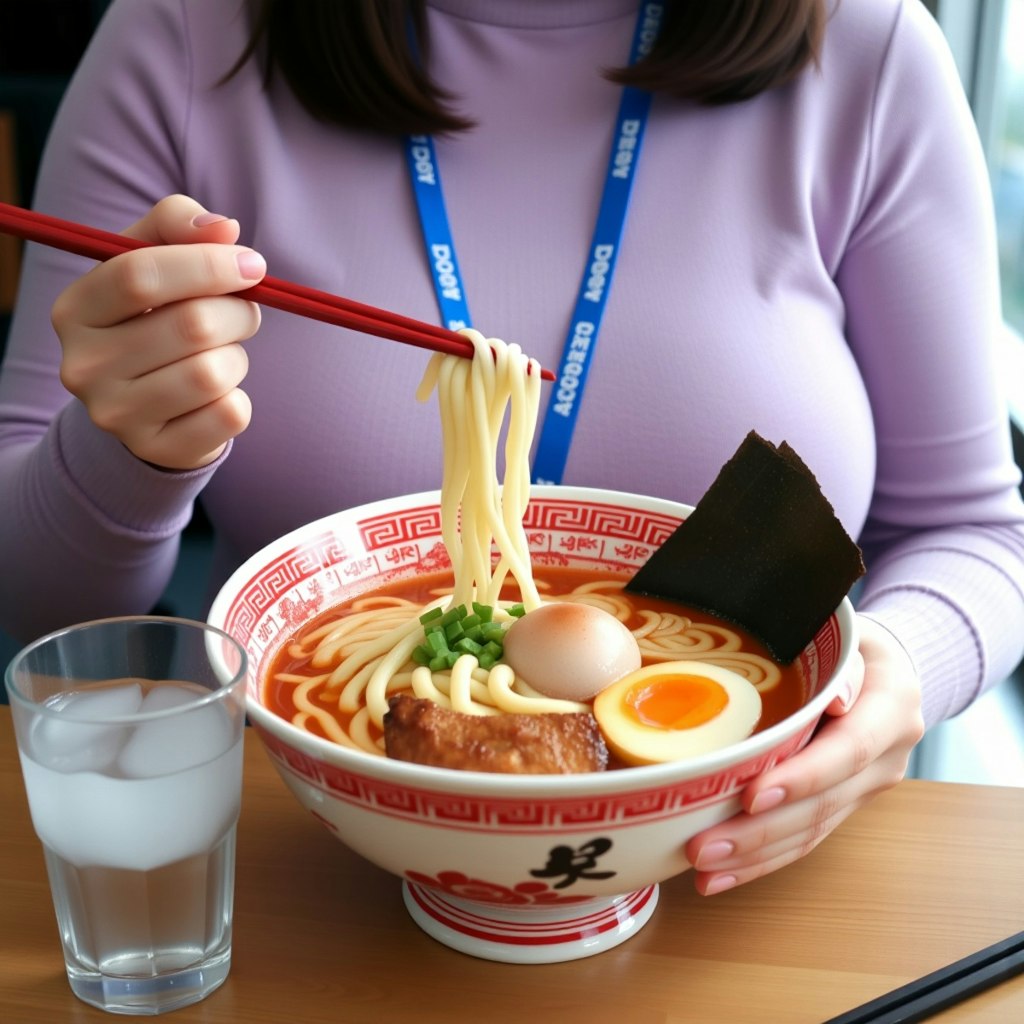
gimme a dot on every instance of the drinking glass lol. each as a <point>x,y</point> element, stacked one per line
<point>130,733</point>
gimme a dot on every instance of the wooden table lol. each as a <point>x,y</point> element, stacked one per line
<point>925,875</point>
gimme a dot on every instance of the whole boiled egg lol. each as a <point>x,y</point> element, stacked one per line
<point>570,650</point>
<point>676,710</point>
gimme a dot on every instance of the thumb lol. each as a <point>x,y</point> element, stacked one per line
<point>180,219</point>
<point>851,688</point>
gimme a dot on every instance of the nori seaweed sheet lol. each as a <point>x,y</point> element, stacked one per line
<point>763,549</point>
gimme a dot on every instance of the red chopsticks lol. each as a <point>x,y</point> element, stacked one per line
<point>97,244</point>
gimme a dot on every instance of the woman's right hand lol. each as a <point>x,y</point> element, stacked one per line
<point>151,338</point>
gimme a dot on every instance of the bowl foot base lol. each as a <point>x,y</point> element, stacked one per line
<point>529,936</point>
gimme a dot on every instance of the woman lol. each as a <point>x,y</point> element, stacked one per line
<point>808,253</point>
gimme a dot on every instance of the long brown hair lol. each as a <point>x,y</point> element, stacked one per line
<point>354,62</point>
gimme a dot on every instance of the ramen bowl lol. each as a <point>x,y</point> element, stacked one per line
<point>514,868</point>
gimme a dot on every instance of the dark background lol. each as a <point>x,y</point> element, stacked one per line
<point>41,42</point>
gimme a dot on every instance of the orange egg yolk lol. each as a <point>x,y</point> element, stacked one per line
<point>676,701</point>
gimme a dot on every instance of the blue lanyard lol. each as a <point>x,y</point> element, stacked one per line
<point>592,297</point>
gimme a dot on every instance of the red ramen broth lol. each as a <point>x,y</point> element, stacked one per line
<point>778,702</point>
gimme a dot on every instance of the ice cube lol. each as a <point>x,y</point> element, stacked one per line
<point>165,746</point>
<point>70,742</point>
<point>160,698</point>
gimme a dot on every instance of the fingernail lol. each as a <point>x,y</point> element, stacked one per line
<point>767,800</point>
<point>251,265</point>
<point>200,220</point>
<point>719,884</point>
<point>718,850</point>
<point>846,697</point>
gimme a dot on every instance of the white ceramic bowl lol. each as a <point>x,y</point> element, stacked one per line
<point>522,869</point>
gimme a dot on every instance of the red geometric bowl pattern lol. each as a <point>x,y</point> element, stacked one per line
<point>537,814</point>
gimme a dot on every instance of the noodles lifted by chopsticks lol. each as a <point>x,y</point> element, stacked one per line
<point>473,396</point>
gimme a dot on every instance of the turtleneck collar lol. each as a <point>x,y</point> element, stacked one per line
<point>540,14</point>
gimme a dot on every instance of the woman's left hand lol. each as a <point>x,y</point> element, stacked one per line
<point>862,748</point>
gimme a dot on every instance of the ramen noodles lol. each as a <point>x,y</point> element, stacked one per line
<point>304,685</point>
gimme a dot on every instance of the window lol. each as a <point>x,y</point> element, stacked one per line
<point>1006,160</point>
<point>987,39</point>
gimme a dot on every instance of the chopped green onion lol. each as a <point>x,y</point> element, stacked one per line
<point>450,634</point>
<point>453,615</point>
<point>492,632</point>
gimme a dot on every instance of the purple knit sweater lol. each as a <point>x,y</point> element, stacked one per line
<point>817,264</point>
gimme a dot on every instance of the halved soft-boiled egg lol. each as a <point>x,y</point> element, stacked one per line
<point>570,650</point>
<point>675,710</point>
